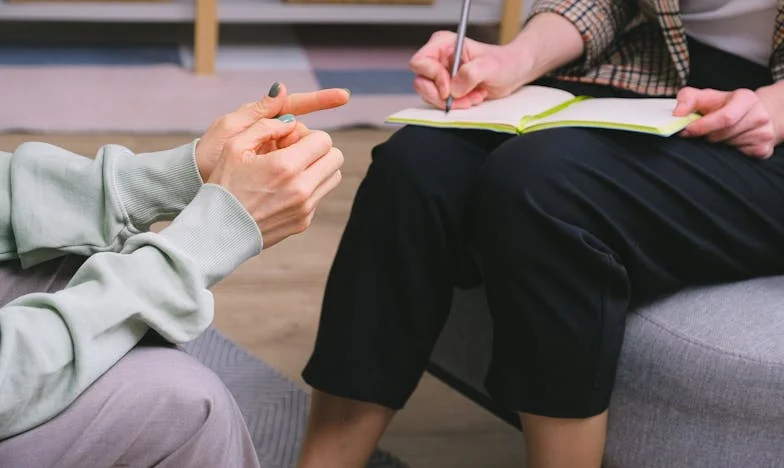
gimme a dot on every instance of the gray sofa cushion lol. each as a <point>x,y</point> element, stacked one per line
<point>700,380</point>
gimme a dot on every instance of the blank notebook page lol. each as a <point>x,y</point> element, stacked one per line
<point>529,100</point>
<point>655,113</point>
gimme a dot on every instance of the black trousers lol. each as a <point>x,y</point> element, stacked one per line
<point>568,229</point>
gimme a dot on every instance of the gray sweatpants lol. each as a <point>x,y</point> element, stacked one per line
<point>156,407</point>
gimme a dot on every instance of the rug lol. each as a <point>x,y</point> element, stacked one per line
<point>79,85</point>
<point>274,407</point>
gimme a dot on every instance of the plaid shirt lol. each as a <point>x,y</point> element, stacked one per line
<point>638,44</point>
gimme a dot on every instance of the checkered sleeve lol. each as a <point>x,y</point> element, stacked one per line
<point>598,21</point>
<point>777,60</point>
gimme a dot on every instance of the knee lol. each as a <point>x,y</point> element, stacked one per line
<point>408,161</point>
<point>543,171</point>
<point>538,192</point>
<point>175,388</point>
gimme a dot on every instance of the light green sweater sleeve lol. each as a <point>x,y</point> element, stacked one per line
<point>54,202</point>
<point>53,346</point>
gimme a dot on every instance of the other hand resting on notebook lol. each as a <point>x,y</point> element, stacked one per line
<point>749,120</point>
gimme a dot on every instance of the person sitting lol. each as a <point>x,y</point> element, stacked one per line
<point>92,300</point>
<point>568,229</point>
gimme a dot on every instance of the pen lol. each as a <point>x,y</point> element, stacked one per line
<point>461,32</point>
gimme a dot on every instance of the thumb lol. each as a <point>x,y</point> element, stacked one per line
<point>263,131</point>
<point>703,101</point>
<point>268,107</point>
<point>469,76</point>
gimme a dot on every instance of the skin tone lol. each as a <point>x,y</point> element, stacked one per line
<point>276,167</point>
<point>341,432</point>
<point>752,121</point>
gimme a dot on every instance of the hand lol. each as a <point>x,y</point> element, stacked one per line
<point>486,72</point>
<point>282,188</point>
<point>278,102</point>
<point>740,118</point>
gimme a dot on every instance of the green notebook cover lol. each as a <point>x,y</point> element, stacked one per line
<point>534,108</point>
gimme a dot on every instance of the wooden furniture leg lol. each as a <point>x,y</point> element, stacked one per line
<point>510,20</point>
<point>205,40</point>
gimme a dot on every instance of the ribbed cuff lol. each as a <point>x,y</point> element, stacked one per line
<point>157,186</point>
<point>216,231</point>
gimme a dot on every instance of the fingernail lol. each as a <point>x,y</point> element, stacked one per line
<point>274,90</point>
<point>348,91</point>
<point>286,118</point>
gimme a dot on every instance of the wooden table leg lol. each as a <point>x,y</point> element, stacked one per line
<point>510,20</point>
<point>205,40</point>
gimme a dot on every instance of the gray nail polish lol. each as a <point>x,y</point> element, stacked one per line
<point>274,90</point>
<point>286,118</point>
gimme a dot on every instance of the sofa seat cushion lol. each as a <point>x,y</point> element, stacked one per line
<point>700,380</point>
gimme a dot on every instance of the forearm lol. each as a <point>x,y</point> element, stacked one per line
<point>572,32</point>
<point>547,42</point>
<point>53,201</point>
<point>53,346</point>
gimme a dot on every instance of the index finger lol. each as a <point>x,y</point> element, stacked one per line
<point>703,101</point>
<point>440,43</point>
<point>433,70</point>
<point>725,117</point>
<point>305,103</point>
<point>306,151</point>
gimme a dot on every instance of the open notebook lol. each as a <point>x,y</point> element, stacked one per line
<point>535,108</point>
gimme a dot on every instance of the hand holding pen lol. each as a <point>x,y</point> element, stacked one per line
<point>479,71</point>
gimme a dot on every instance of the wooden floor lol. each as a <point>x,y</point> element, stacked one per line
<point>270,306</point>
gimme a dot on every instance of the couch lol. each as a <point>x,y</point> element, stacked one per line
<point>700,381</point>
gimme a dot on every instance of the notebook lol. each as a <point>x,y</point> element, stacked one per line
<point>535,108</point>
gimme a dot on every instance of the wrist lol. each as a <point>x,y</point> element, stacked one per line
<point>216,232</point>
<point>772,98</point>
<point>520,57</point>
<point>157,186</point>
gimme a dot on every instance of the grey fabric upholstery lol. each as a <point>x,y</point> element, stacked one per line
<point>700,382</point>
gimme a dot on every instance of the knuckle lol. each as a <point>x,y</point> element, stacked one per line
<point>767,133</point>
<point>303,224</point>
<point>227,122</point>
<point>473,73</point>
<point>300,193</point>
<point>727,119</point>
<point>308,207</point>
<point>746,94</point>
<point>760,117</point>
<point>323,138</point>
<point>283,167</point>
<point>339,157</point>
<point>261,109</point>
<point>441,35</point>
